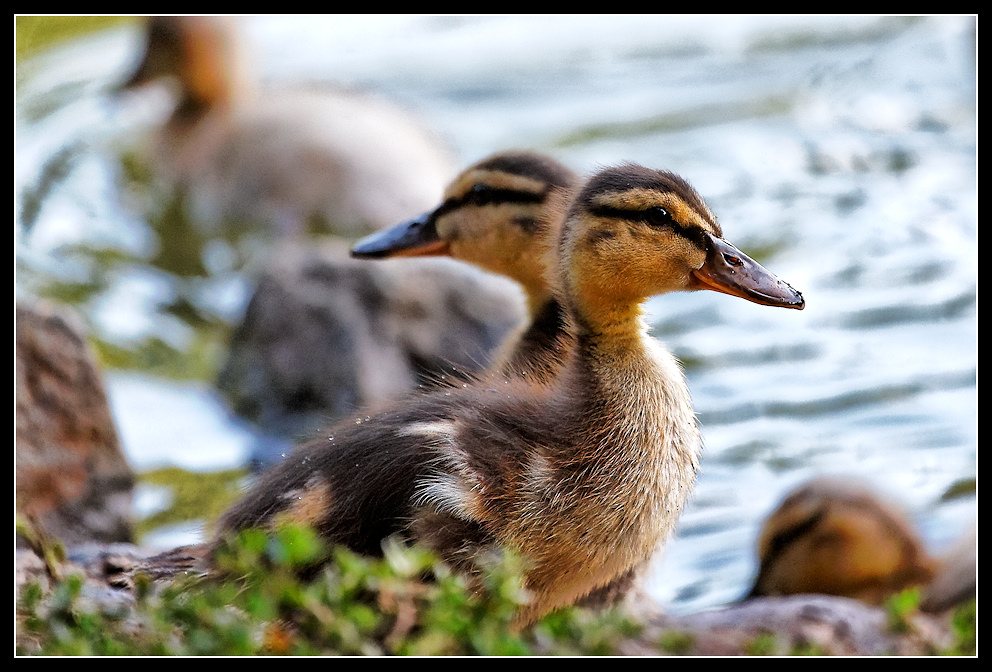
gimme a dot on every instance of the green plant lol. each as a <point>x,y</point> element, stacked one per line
<point>289,594</point>
<point>963,622</point>
<point>764,644</point>
<point>678,643</point>
<point>900,607</point>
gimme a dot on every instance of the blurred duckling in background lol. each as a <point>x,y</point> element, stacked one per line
<point>299,158</point>
<point>837,536</point>
<point>585,476</point>
<point>497,215</point>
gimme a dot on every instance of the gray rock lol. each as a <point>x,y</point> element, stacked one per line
<point>325,336</point>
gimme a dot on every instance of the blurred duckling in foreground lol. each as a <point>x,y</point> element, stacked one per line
<point>300,158</point>
<point>837,536</point>
<point>585,476</point>
<point>497,215</point>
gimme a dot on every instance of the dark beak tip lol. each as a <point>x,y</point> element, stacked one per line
<point>359,251</point>
<point>788,298</point>
<point>415,237</point>
<point>797,302</point>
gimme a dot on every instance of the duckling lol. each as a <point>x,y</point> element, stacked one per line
<point>836,536</point>
<point>302,158</point>
<point>585,476</point>
<point>495,215</point>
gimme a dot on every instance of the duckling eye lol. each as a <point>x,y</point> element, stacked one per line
<point>657,216</point>
<point>483,191</point>
<point>480,194</point>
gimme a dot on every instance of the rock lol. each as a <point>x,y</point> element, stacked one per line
<point>824,624</point>
<point>325,336</point>
<point>73,481</point>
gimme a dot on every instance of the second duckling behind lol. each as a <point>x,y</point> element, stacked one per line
<point>499,215</point>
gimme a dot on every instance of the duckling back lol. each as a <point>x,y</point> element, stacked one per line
<point>317,160</point>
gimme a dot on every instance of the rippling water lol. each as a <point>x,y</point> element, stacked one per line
<point>841,152</point>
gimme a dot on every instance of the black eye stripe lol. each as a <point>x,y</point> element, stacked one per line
<point>483,195</point>
<point>655,216</point>
<point>480,195</point>
<point>786,537</point>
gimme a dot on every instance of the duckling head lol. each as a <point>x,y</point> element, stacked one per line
<point>632,232</point>
<point>496,215</point>
<point>201,55</point>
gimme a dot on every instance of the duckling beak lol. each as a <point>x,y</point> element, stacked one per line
<point>730,271</point>
<point>417,237</point>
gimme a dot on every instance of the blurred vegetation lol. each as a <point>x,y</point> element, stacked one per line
<point>965,487</point>
<point>403,604</point>
<point>965,621</point>
<point>195,266</point>
<point>900,610</point>
<point>195,496</point>
<point>33,34</point>
<point>900,607</point>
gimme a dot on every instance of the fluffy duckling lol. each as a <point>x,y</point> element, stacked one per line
<point>585,476</point>
<point>299,158</point>
<point>496,215</point>
<point>836,536</point>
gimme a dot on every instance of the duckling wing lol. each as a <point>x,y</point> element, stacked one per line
<point>355,483</point>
